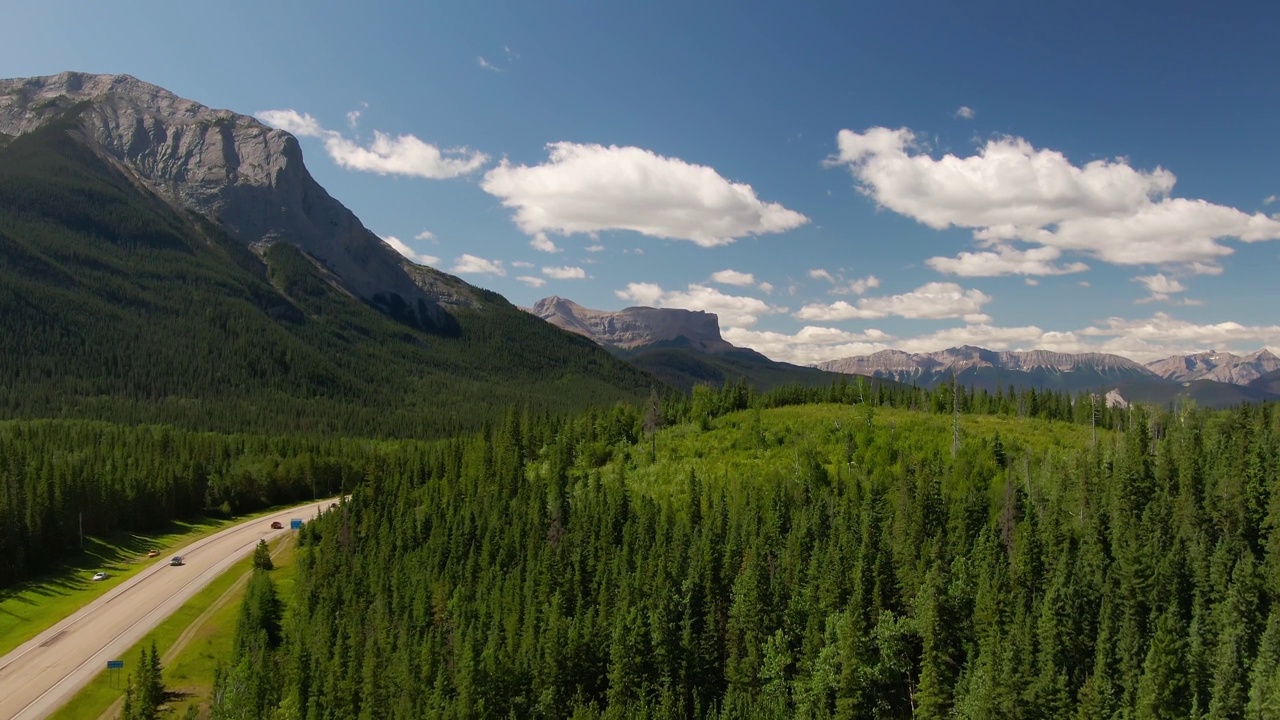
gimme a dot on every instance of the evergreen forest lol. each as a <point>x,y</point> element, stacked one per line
<point>763,558</point>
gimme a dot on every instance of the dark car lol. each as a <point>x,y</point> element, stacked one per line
<point>177,560</point>
<point>277,525</point>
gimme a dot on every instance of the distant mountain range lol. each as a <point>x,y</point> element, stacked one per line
<point>682,347</point>
<point>1215,379</point>
<point>1220,366</point>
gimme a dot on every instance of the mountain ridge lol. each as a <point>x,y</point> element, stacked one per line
<point>244,176</point>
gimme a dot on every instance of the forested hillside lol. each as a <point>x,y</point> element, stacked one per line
<point>809,561</point>
<point>115,307</point>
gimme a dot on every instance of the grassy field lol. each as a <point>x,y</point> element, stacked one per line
<point>192,642</point>
<point>768,446</point>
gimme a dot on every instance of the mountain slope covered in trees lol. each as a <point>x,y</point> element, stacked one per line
<point>114,306</point>
<point>809,561</point>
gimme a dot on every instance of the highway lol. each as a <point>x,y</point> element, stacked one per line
<point>46,672</point>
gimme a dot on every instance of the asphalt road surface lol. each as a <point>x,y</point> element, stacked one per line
<point>43,674</point>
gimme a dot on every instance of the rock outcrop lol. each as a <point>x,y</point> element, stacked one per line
<point>635,327</point>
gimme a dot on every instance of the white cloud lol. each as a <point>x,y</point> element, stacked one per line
<point>1030,281</point>
<point>766,287</point>
<point>521,264</point>
<point>386,155</point>
<point>820,274</point>
<point>1003,259</point>
<point>486,64</point>
<point>1160,285</point>
<point>733,277</point>
<point>425,235</point>
<point>353,119</point>
<point>593,188</point>
<point>542,243</point>
<point>472,265</point>
<point>399,246</point>
<point>531,280</point>
<point>732,310</point>
<point>811,344</point>
<point>858,286</point>
<point>1010,190</point>
<point>965,113</point>
<point>564,273</point>
<point>595,248</point>
<point>1161,336</point>
<point>930,301</point>
<point>1269,199</point>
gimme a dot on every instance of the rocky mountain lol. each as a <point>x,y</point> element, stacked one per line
<point>247,178</point>
<point>682,347</point>
<point>991,369</point>
<point>1220,366</point>
<point>154,270</point>
<point>635,327</point>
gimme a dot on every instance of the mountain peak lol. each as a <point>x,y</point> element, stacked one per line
<point>246,177</point>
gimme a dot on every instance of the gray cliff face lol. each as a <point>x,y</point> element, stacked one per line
<point>246,177</point>
<point>1221,366</point>
<point>634,327</point>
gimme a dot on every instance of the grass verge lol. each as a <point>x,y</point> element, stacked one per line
<point>28,609</point>
<point>191,642</point>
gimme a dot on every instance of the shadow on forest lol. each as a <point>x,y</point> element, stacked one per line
<point>111,553</point>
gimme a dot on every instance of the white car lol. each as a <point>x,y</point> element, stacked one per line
<point>99,576</point>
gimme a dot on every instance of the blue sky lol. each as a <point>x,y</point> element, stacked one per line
<point>1073,176</point>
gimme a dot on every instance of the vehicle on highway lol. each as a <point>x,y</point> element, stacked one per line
<point>277,525</point>
<point>177,560</point>
<point>99,576</point>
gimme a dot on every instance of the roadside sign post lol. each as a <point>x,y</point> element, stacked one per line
<point>115,666</point>
<point>295,524</point>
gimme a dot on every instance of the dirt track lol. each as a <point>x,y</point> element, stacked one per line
<point>41,675</point>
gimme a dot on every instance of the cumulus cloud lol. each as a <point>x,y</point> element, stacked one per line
<point>858,286</point>
<point>766,287</point>
<point>1162,335</point>
<point>1010,190</point>
<point>1269,199</point>
<point>531,280</point>
<point>931,301</point>
<point>386,155</point>
<point>965,113</point>
<point>399,246</point>
<point>594,248</point>
<point>733,277</point>
<point>542,243</point>
<point>811,345</point>
<point>521,264</point>
<point>1160,286</point>
<point>564,273</point>
<point>732,310</point>
<point>820,274</point>
<point>425,235</point>
<point>593,188</point>
<point>1003,259</point>
<point>472,265</point>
